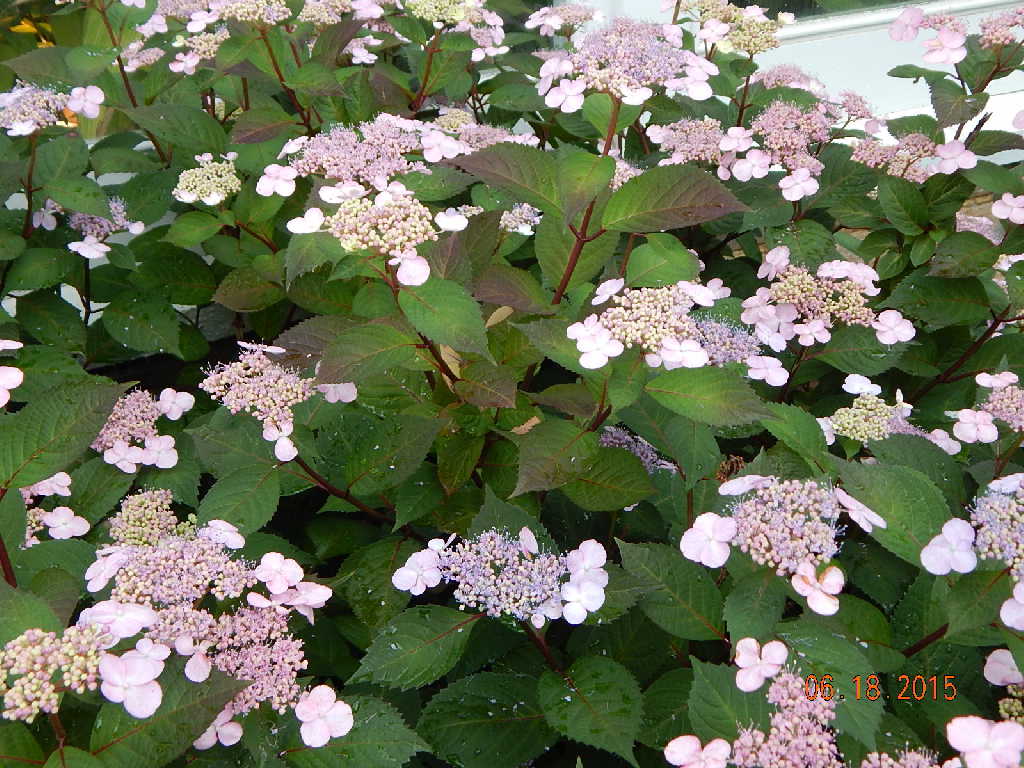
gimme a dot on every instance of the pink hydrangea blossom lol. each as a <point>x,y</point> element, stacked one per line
<point>222,532</point>
<point>567,96</point>
<point>686,752</point>
<point>276,179</point>
<point>757,664</point>
<point>323,717</point>
<point>131,679</point>
<point>345,392</point>
<point>413,269</point>
<point>907,25</point>
<point>954,156</point>
<point>63,523</point>
<point>891,327</point>
<point>951,550</point>
<point>997,380</point>
<point>420,573</point>
<point>975,426</point>
<point>707,542</point>
<point>278,572</point>
<point>713,31</point>
<point>767,369</point>
<point>450,220</point>
<point>947,47</point>
<point>173,404</point>
<point>1009,207</point>
<point>119,619</point>
<point>594,341</point>
<point>86,100</point>
<point>813,332</point>
<point>985,744</point>
<point>311,221</point>
<point>581,597</point>
<point>798,185</point>
<point>1011,613</point>
<point>606,290</point>
<point>744,484</point>
<point>1001,669</point>
<point>10,378</point>
<point>223,730</point>
<point>90,247</point>
<point>776,260</point>
<point>860,513</point>
<point>820,590</point>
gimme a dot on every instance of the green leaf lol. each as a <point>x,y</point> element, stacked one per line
<point>246,290</point>
<point>994,178</point>
<point>665,708</point>
<point>260,124</point>
<point>668,197</point>
<point>529,174</point>
<point>581,177</point>
<point>382,452</point>
<point>596,702</point>
<point>912,507</point>
<point>417,647</point>
<point>940,302</point>
<point>247,498</point>
<point>754,604</point>
<point>440,184</point>
<point>379,739</point>
<point>612,479</point>
<point>305,253</point>
<point>662,260</point>
<point>486,385</point>
<point>49,433</point>
<point>444,312</point>
<point>18,746</point>
<point>928,459</point>
<point>855,349</point>
<point>903,204</point>
<point>189,129</point>
<point>488,720</point>
<point>554,244</point>
<point>366,580</point>
<point>143,323</point>
<point>63,157</point>
<point>685,601</point>
<point>78,194</point>
<point>122,741</point>
<point>718,709</point>
<point>181,275</point>
<point>952,105</point>
<point>96,487</point>
<point>39,268</point>
<point>715,396</point>
<point>51,320</point>
<point>366,350</point>
<point>963,254</point>
<point>551,454</point>
<point>690,444</point>
<point>800,431</point>
<point>973,608</point>
<point>192,228</point>
<point>22,610</point>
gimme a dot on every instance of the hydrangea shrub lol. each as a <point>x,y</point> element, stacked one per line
<point>443,383</point>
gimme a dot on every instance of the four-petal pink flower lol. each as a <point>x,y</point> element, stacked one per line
<point>707,542</point>
<point>323,717</point>
<point>757,664</point>
<point>819,589</point>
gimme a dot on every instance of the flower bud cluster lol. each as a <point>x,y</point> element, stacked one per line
<point>101,228</point>
<point>504,576</point>
<point>800,735</point>
<point>745,29</point>
<point>905,159</point>
<point>145,519</point>
<point>211,183</point>
<point>27,108</point>
<point>998,517</point>
<point>787,522</point>
<point>35,657</point>
<point>130,437</point>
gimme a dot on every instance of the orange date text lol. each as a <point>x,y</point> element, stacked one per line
<point>910,688</point>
